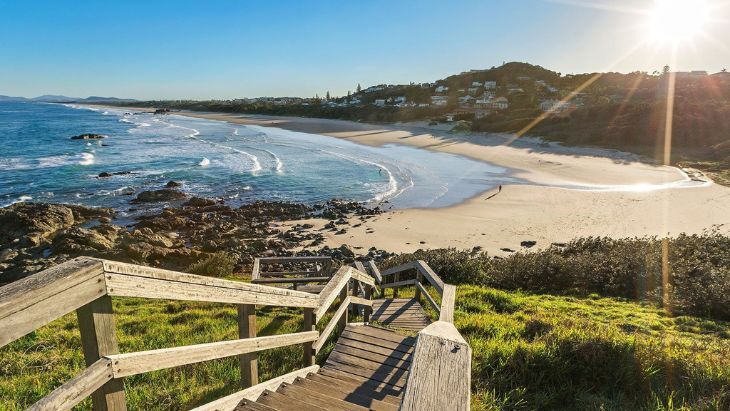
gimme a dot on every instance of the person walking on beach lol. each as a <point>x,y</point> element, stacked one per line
<point>500,189</point>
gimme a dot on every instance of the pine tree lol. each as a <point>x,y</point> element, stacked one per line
<point>328,95</point>
<point>359,89</point>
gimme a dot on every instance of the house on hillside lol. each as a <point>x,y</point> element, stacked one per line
<point>380,102</point>
<point>490,85</point>
<point>466,101</point>
<point>442,89</point>
<point>473,90</point>
<point>500,103</point>
<point>476,84</point>
<point>439,100</point>
<point>480,113</point>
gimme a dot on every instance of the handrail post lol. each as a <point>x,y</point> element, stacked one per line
<point>343,295</point>
<point>419,279</point>
<point>367,309</point>
<point>248,363</point>
<point>396,278</point>
<point>98,339</point>
<point>309,325</point>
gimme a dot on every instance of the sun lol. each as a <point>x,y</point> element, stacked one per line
<point>676,21</point>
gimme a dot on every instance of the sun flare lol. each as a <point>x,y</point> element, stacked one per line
<point>675,21</point>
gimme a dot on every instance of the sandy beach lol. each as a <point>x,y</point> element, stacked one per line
<point>555,206</point>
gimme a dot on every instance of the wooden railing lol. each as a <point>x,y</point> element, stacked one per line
<point>440,373</point>
<point>86,285</point>
<point>320,273</point>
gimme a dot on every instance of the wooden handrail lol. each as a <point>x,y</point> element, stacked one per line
<point>145,361</point>
<point>257,274</point>
<point>86,285</point>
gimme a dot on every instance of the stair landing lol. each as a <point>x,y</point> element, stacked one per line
<point>403,313</point>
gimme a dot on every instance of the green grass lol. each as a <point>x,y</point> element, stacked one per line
<point>529,352</point>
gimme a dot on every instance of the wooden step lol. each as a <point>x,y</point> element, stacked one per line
<point>348,393</point>
<point>319,399</point>
<point>283,402</point>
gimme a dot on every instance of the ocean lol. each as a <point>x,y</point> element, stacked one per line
<point>239,164</point>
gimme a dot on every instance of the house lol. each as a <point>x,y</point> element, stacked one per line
<point>481,113</point>
<point>439,100</point>
<point>473,90</point>
<point>500,103</point>
<point>490,85</point>
<point>466,101</point>
<point>513,90</point>
<point>476,84</point>
<point>400,100</point>
<point>484,102</point>
<point>442,89</point>
<point>423,105</point>
<point>380,102</point>
<point>523,78</point>
<point>555,106</point>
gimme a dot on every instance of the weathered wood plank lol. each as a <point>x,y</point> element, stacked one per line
<point>34,301</point>
<point>448,299</point>
<point>282,402</point>
<point>396,377</point>
<point>362,277</point>
<point>325,401</point>
<point>428,297</point>
<point>229,402</point>
<point>290,280</point>
<point>368,389</point>
<point>99,339</point>
<point>339,375</point>
<point>285,273</point>
<point>330,292</point>
<point>255,272</point>
<point>398,269</point>
<point>303,259</point>
<point>348,345</point>
<point>398,284</point>
<point>375,272</point>
<point>309,324</point>
<point>145,361</point>
<point>361,301</point>
<point>352,395</point>
<point>440,374</point>
<point>430,275</point>
<point>400,361</point>
<point>248,363</point>
<point>221,291</point>
<point>76,389</point>
<point>334,321</point>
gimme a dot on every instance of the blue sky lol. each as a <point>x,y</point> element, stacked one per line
<point>229,48</point>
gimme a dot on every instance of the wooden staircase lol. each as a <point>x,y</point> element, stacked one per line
<point>367,370</point>
<point>370,367</point>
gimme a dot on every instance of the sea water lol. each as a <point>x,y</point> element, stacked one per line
<point>40,162</point>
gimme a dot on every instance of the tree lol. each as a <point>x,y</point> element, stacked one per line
<point>724,70</point>
<point>327,97</point>
<point>665,69</point>
<point>348,94</point>
<point>359,89</point>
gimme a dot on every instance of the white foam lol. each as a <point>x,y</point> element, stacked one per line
<point>392,190</point>
<point>24,198</point>
<point>204,162</point>
<point>87,159</point>
<point>277,160</point>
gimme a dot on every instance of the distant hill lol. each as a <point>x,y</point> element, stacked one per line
<point>54,98</point>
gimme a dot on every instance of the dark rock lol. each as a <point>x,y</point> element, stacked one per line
<point>199,202</point>
<point>507,250</point>
<point>104,175</point>
<point>528,244</point>
<point>172,184</point>
<point>164,194</point>
<point>89,136</point>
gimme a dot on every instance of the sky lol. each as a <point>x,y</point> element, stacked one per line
<point>225,49</point>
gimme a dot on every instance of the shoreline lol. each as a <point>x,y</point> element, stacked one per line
<point>551,209</point>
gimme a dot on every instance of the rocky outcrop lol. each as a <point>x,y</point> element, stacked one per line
<point>89,136</point>
<point>156,196</point>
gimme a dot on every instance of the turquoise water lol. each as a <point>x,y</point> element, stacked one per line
<point>238,163</point>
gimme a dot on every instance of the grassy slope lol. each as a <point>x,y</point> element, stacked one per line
<point>530,351</point>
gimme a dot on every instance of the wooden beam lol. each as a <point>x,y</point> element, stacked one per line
<point>440,371</point>
<point>428,297</point>
<point>36,300</point>
<point>403,283</point>
<point>331,290</point>
<point>76,389</point>
<point>375,271</point>
<point>310,324</point>
<point>448,300</point>
<point>285,273</point>
<point>146,361</point>
<point>431,276</point>
<point>344,301</point>
<point>129,280</point>
<point>98,340</point>
<point>304,259</point>
<point>368,309</point>
<point>256,269</point>
<point>248,363</point>
<point>230,402</point>
<point>399,268</point>
<point>291,280</point>
<point>361,301</point>
<point>362,277</point>
<point>334,321</point>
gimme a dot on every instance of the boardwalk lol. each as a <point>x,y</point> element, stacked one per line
<point>376,364</point>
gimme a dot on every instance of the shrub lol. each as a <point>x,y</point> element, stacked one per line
<point>219,264</point>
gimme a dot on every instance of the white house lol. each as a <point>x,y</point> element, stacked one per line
<point>500,103</point>
<point>466,101</point>
<point>439,100</point>
<point>442,89</point>
<point>481,113</point>
<point>473,90</point>
<point>476,84</point>
<point>400,100</point>
<point>490,85</point>
<point>555,106</point>
<point>380,102</point>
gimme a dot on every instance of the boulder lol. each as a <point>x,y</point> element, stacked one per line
<point>199,202</point>
<point>89,136</point>
<point>154,196</point>
<point>528,244</point>
<point>172,184</point>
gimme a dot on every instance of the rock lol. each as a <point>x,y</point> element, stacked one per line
<point>507,250</point>
<point>172,184</point>
<point>154,196</point>
<point>7,254</point>
<point>199,202</point>
<point>346,251</point>
<point>560,245</point>
<point>89,136</point>
<point>528,244</point>
<point>104,175</point>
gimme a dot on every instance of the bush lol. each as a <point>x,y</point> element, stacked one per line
<point>220,264</point>
<point>698,277</point>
